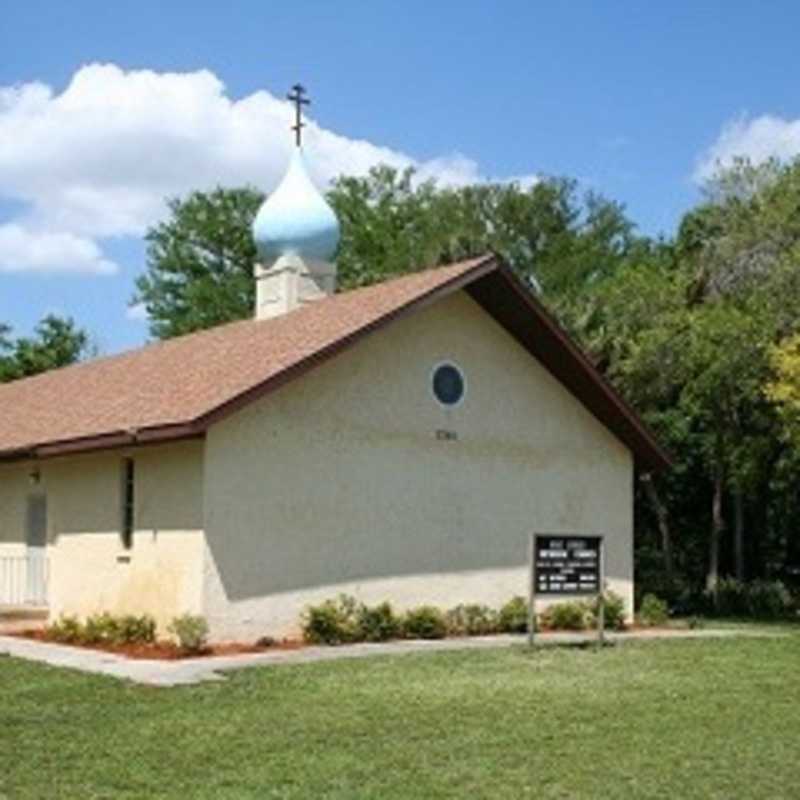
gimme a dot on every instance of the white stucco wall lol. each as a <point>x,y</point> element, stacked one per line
<point>90,571</point>
<point>337,482</point>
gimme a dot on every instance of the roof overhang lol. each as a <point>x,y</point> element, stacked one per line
<point>501,294</point>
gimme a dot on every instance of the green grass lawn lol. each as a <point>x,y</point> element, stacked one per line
<point>671,719</point>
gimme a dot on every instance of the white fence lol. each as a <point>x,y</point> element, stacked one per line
<point>23,580</point>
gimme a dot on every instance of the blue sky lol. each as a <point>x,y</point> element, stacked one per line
<point>635,100</point>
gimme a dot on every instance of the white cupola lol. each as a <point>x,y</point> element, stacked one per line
<point>296,234</point>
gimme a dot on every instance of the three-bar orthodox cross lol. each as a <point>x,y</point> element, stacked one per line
<point>299,100</point>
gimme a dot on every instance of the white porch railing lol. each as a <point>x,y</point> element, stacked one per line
<point>23,580</point>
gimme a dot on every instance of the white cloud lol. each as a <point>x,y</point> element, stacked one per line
<point>757,138</point>
<point>23,250</point>
<point>99,159</point>
<point>137,312</point>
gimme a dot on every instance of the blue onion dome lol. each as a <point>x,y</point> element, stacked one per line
<point>295,219</point>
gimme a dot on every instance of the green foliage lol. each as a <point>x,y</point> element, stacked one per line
<point>769,600</point>
<point>513,616</point>
<point>332,622</point>
<point>378,623</point>
<point>472,620</point>
<point>577,615</point>
<point>345,620</point>
<point>56,342</point>
<point>191,631</point>
<point>200,259</point>
<point>104,629</point>
<point>760,599</point>
<point>613,613</point>
<point>100,629</point>
<point>731,599</point>
<point>136,629</point>
<point>67,629</point>
<point>566,616</point>
<point>424,622</point>
<point>653,611</point>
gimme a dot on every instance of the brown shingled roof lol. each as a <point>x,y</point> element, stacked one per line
<point>177,388</point>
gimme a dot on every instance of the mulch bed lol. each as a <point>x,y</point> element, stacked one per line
<point>166,650</point>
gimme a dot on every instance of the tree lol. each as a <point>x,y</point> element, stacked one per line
<point>686,335</point>
<point>200,260</point>
<point>56,343</point>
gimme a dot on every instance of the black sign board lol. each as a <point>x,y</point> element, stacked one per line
<point>567,564</point>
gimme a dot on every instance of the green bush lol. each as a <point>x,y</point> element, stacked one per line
<point>614,613</point>
<point>731,598</point>
<point>66,629</point>
<point>513,616</point>
<point>191,631</point>
<point>377,623</point>
<point>471,620</point>
<point>653,611</point>
<point>105,629</point>
<point>424,622</point>
<point>569,616</point>
<point>136,630</point>
<point>760,599</point>
<point>768,600</point>
<point>332,622</point>
<point>100,629</point>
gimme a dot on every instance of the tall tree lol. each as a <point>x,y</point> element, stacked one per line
<point>56,342</point>
<point>200,260</point>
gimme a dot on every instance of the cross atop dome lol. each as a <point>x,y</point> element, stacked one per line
<point>296,234</point>
<point>297,97</point>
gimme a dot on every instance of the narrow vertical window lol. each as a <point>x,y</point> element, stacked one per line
<point>128,499</point>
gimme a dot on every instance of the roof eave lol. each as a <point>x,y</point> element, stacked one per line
<point>107,441</point>
<point>548,342</point>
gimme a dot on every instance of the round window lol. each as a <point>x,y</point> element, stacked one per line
<point>448,384</point>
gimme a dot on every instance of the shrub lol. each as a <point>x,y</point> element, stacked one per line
<point>66,629</point>
<point>100,629</point>
<point>768,600</point>
<point>653,611</point>
<point>332,622</point>
<point>761,599</point>
<point>424,622</point>
<point>569,616</point>
<point>104,629</point>
<point>513,616</point>
<point>131,629</point>
<point>471,620</point>
<point>377,624</point>
<point>614,613</point>
<point>191,631</point>
<point>731,598</point>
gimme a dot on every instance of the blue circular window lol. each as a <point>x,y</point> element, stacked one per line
<point>448,384</point>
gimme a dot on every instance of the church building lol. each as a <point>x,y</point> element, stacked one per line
<point>399,442</point>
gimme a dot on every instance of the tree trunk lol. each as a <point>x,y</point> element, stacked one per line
<point>717,525</point>
<point>662,516</point>
<point>738,534</point>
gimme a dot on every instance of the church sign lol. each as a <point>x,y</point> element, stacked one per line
<point>567,564</point>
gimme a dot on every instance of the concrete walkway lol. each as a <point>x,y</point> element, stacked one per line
<point>197,670</point>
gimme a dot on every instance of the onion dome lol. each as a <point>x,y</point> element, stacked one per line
<point>295,219</point>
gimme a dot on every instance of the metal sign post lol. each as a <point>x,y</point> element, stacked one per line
<point>601,596</point>
<point>566,564</point>
<point>532,591</point>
